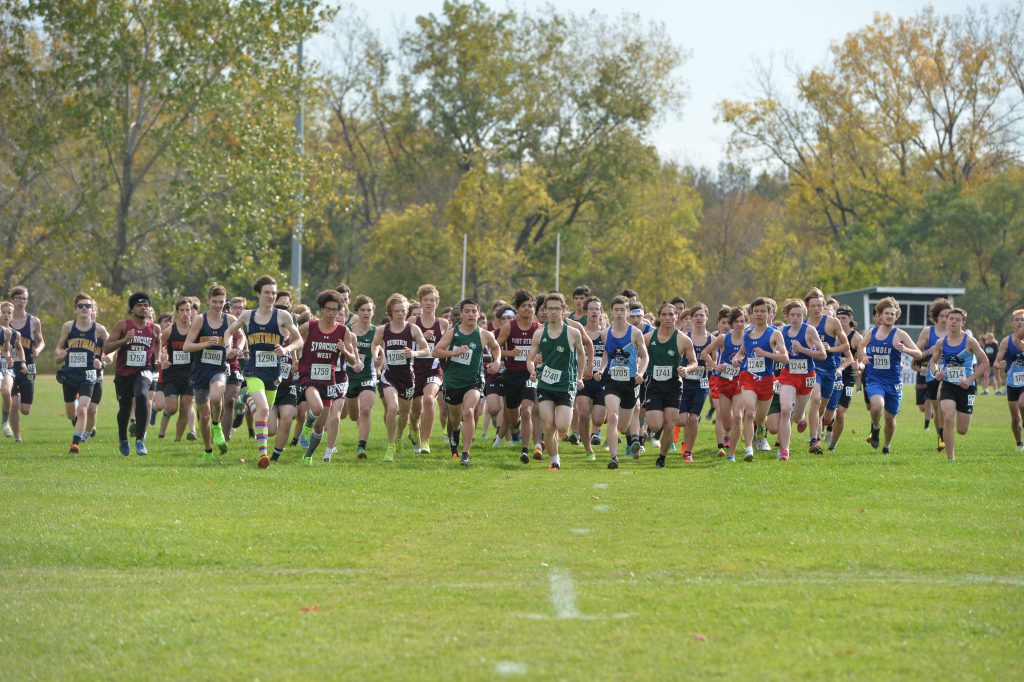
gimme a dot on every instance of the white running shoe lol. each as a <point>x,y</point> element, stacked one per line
<point>8,431</point>
<point>761,445</point>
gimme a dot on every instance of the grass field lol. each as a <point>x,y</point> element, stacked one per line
<point>849,566</point>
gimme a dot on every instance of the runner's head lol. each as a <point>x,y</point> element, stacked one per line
<point>183,310</point>
<point>593,308</point>
<point>666,315</point>
<point>631,296</point>
<point>888,311</point>
<point>760,311</point>
<point>328,302</point>
<point>216,296</point>
<point>831,306</point>
<point>956,318</point>
<point>538,306</point>
<point>238,305</point>
<point>266,289</point>
<point>428,298</point>
<point>470,314</point>
<point>580,295</point>
<point>345,292</point>
<point>814,302</point>
<point>737,317</point>
<point>680,305</point>
<point>139,305</point>
<point>938,310</point>
<point>164,320</point>
<point>364,308</point>
<point>19,297</point>
<point>554,305</point>
<point>723,318</point>
<point>620,308</point>
<point>83,307</point>
<point>845,315</point>
<point>414,309</point>
<point>397,307</point>
<point>522,301</point>
<point>699,316</point>
<point>795,311</point>
<point>285,298</point>
<point>447,314</point>
<point>6,313</point>
<point>1017,318</point>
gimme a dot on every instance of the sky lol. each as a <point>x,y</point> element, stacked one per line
<point>723,40</point>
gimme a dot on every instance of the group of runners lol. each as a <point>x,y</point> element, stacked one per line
<point>541,370</point>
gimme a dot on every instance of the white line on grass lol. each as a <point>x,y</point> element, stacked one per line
<point>509,668</point>
<point>563,594</point>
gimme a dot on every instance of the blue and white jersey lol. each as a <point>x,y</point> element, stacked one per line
<point>886,361</point>
<point>758,365</point>
<point>1014,358</point>
<point>957,361</point>
<point>621,352</point>
<point>933,338</point>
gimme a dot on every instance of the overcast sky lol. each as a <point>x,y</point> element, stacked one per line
<point>722,38</point>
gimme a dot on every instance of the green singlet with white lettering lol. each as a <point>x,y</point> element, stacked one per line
<point>559,372</point>
<point>463,371</point>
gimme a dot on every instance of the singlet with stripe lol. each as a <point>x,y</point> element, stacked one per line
<point>598,342</point>
<point>263,362</point>
<point>319,362</point>
<point>886,361</point>
<point>799,363</point>
<point>560,371</point>
<point>432,334</point>
<point>363,344</point>
<point>397,367</point>
<point>621,352</point>
<point>958,361</point>
<point>465,370</point>
<point>729,350</point>
<point>702,367</point>
<point>137,356</point>
<point>663,357</point>
<point>181,362</point>
<point>25,337</point>
<point>209,362</point>
<point>755,364</point>
<point>1014,357</point>
<point>518,342</point>
<point>83,347</point>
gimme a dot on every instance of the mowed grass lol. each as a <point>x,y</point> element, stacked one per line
<point>849,566</point>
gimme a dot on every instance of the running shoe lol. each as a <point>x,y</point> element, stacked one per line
<point>634,449</point>
<point>73,449</point>
<point>538,452</point>
<point>761,445</point>
<point>801,425</point>
<point>124,448</point>
<point>263,462</point>
<point>497,442</point>
<point>307,431</point>
<point>940,446</point>
<point>660,463</point>
<point>307,460</point>
<point>614,464</point>
<point>591,457</point>
<point>784,455</point>
<point>327,458</point>
<point>730,458</point>
<point>721,452</point>
<point>574,438</point>
<point>687,457</point>
<point>595,440</point>
<point>748,454</point>
<point>389,452</point>
<point>208,456</point>
<point>140,448</point>
<point>524,457</point>
<point>131,428</point>
<point>464,461</point>
<point>815,447</point>
<point>8,431</point>
<point>191,435</point>
<point>424,448</point>
<point>885,450</point>
<point>873,438</point>
<point>361,453</point>
<point>1020,447</point>
<point>554,466</point>
<point>218,438</point>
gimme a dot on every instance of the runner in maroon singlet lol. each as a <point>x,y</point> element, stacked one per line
<point>427,371</point>
<point>137,344</point>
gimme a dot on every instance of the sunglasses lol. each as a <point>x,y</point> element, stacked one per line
<point>83,305</point>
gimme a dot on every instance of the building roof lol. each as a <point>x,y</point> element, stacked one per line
<point>929,291</point>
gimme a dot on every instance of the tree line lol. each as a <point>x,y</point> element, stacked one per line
<point>151,145</point>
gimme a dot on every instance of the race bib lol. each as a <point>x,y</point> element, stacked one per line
<point>775,386</point>
<point>180,357</point>
<point>619,373</point>
<point>755,365</point>
<point>531,384</point>
<point>597,364</point>
<point>463,358</point>
<point>265,358</point>
<point>521,353</point>
<point>1018,379</point>
<point>697,374</point>
<point>78,360</point>
<point>211,356</point>
<point>809,382</point>
<point>136,358</point>
<point>396,356</point>
<point>730,372</point>
<point>90,375</point>
<point>320,372</point>
<point>955,375</point>
<point>880,361</point>
<point>704,383</point>
<point>30,369</point>
<point>798,366</point>
<point>663,372</point>
<point>970,399</point>
<point>551,376</point>
<point>849,391</point>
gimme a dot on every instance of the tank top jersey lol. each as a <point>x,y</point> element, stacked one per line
<point>398,370</point>
<point>729,350</point>
<point>886,361</point>
<point>432,334</point>
<point>958,361</point>
<point>319,362</point>
<point>849,373</point>
<point>1014,357</point>
<point>25,337</point>
<point>518,342</point>
<point>209,362</point>
<point>832,360</point>
<point>181,362</point>
<point>363,344</point>
<point>560,371</point>
<point>759,366</point>
<point>261,339</point>
<point>933,338</point>
<point>701,373</point>
<point>136,356</point>
<point>598,342</point>
<point>83,347</point>
<point>664,357</point>
<point>799,363</point>
<point>8,336</point>
<point>465,370</point>
<point>621,353</point>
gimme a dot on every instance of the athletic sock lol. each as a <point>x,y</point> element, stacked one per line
<point>7,417</point>
<point>314,443</point>
<point>362,444</point>
<point>276,454</point>
<point>926,423</point>
<point>456,435</point>
<point>262,432</point>
<point>721,445</point>
<point>329,452</point>
<point>76,438</point>
<point>940,433</point>
<point>310,418</point>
